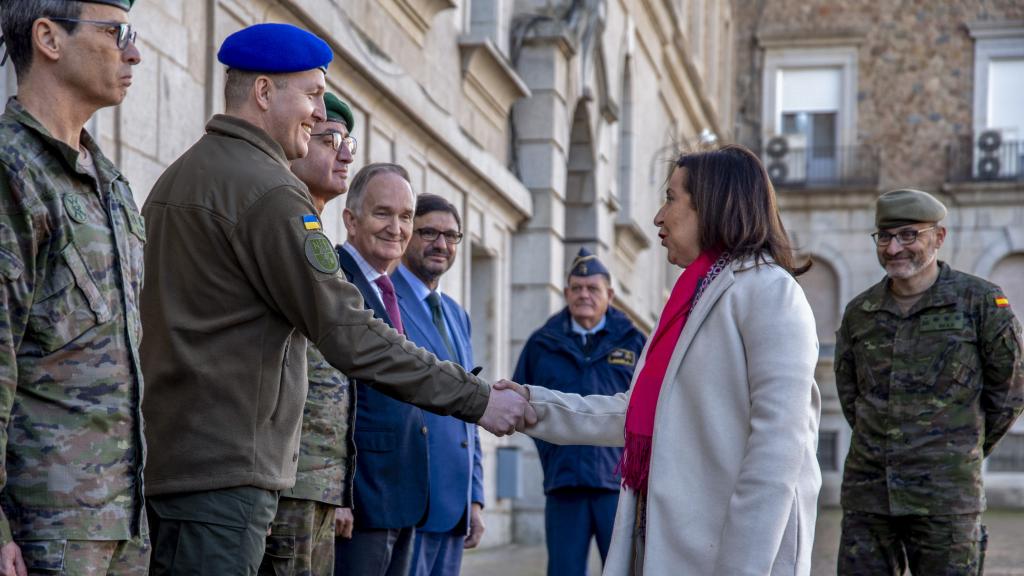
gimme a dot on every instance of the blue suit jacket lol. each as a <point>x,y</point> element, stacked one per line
<point>391,446</point>
<point>456,474</point>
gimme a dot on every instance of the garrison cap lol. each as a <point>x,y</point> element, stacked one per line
<point>274,49</point>
<point>338,111</point>
<point>587,264</point>
<point>907,206</point>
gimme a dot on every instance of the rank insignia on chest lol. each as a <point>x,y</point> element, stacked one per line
<point>1002,302</point>
<point>942,321</point>
<point>75,207</point>
<point>311,222</point>
<point>622,357</point>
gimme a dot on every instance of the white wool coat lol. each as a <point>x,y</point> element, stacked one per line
<point>734,478</point>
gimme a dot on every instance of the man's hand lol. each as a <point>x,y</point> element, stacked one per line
<point>476,526</point>
<point>11,563</point>
<point>343,522</point>
<point>506,412</point>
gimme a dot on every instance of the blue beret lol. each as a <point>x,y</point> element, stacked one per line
<point>274,49</point>
<point>587,264</point>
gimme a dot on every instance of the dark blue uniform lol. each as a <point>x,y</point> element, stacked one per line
<point>579,481</point>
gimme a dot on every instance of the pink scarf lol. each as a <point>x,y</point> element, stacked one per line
<point>636,459</point>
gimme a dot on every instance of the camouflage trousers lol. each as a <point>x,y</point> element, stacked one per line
<point>86,557</point>
<point>301,542</point>
<point>880,545</point>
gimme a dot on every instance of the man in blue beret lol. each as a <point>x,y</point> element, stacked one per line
<point>589,347</point>
<point>242,276</point>
<point>309,514</point>
<point>71,252</point>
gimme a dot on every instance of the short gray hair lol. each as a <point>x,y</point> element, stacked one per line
<point>357,188</point>
<point>17,18</point>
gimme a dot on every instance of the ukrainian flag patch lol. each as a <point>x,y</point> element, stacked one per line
<point>311,222</point>
<point>1002,302</point>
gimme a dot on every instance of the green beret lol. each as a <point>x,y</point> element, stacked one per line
<point>338,111</point>
<point>125,4</point>
<point>907,206</point>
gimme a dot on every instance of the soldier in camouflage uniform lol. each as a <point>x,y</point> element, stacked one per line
<point>930,376</point>
<point>71,252</point>
<point>302,534</point>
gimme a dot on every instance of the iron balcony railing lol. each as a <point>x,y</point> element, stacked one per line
<point>987,156</point>
<point>820,167</point>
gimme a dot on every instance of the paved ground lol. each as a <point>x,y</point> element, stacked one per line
<point>1005,554</point>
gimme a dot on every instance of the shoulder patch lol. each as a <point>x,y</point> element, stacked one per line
<point>1002,302</point>
<point>320,253</point>
<point>311,222</point>
<point>622,357</point>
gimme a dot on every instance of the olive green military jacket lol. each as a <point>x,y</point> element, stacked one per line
<point>70,381</point>
<point>928,394</point>
<point>240,275</point>
<point>327,450</point>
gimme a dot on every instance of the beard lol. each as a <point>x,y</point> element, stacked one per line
<point>909,264</point>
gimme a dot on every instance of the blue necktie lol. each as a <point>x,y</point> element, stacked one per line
<point>434,301</point>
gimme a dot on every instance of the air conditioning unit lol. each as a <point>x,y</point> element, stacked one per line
<point>787,158</point>
<point>998,155</point>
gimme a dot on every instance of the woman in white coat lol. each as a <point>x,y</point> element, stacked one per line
<point>720,424</point>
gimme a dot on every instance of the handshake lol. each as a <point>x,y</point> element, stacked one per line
<point>508,409</point>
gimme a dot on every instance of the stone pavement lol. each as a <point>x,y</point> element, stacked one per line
<point>1005,553</point>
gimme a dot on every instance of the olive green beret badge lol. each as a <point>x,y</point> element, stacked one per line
<point>74,206</point>
<point>320,253</point>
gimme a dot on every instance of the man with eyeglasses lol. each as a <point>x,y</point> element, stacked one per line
<point>432,319</point>
<point>301,542</point>
<point>930,375</point>
<point>71,254</point>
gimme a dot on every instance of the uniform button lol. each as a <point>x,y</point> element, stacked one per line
<point>424,430</point>
<point>465,444</point>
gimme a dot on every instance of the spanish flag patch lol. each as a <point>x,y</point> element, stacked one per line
<point>1002,302</point>
<point>311,222</point>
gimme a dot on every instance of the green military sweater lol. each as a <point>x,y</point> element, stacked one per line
<point>928,394</point>
<point>240,277</point>
<point>71,254</point>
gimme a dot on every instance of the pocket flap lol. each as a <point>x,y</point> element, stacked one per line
<point>10,266</point>
<point>375,440</point>
<point>85,282</point>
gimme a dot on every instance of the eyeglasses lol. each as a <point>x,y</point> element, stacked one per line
<point>337,140</point>
<point>125,33</point>
<point>431,234</point>
<point>904,237</point>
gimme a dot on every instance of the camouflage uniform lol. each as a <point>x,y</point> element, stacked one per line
<point>71,253</point>
<point>928,395</point>
<point>302,535</point>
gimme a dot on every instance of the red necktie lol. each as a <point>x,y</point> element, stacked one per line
<point>387,294</point>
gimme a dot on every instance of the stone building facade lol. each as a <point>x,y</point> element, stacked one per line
<point>549,123</point>
<point>846,99</point>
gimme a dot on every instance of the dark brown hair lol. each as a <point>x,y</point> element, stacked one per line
<point>735,204</point>
<point>427,203</point>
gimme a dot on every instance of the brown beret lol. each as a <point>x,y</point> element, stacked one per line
<point>907,206</point>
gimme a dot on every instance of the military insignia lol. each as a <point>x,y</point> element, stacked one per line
<point>311,222</point>
<point>75,207</point>
<point>622,357</point>
<point>1002,302</point>
<point>135,223</point>
<point>942,321</point>
<point>583,269</point>
<point>320,253</point>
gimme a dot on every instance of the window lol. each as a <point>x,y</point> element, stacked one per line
<point>998,84</point>
<point>828,450</point>
<point>809,114</point>
<point>1008,455</point>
